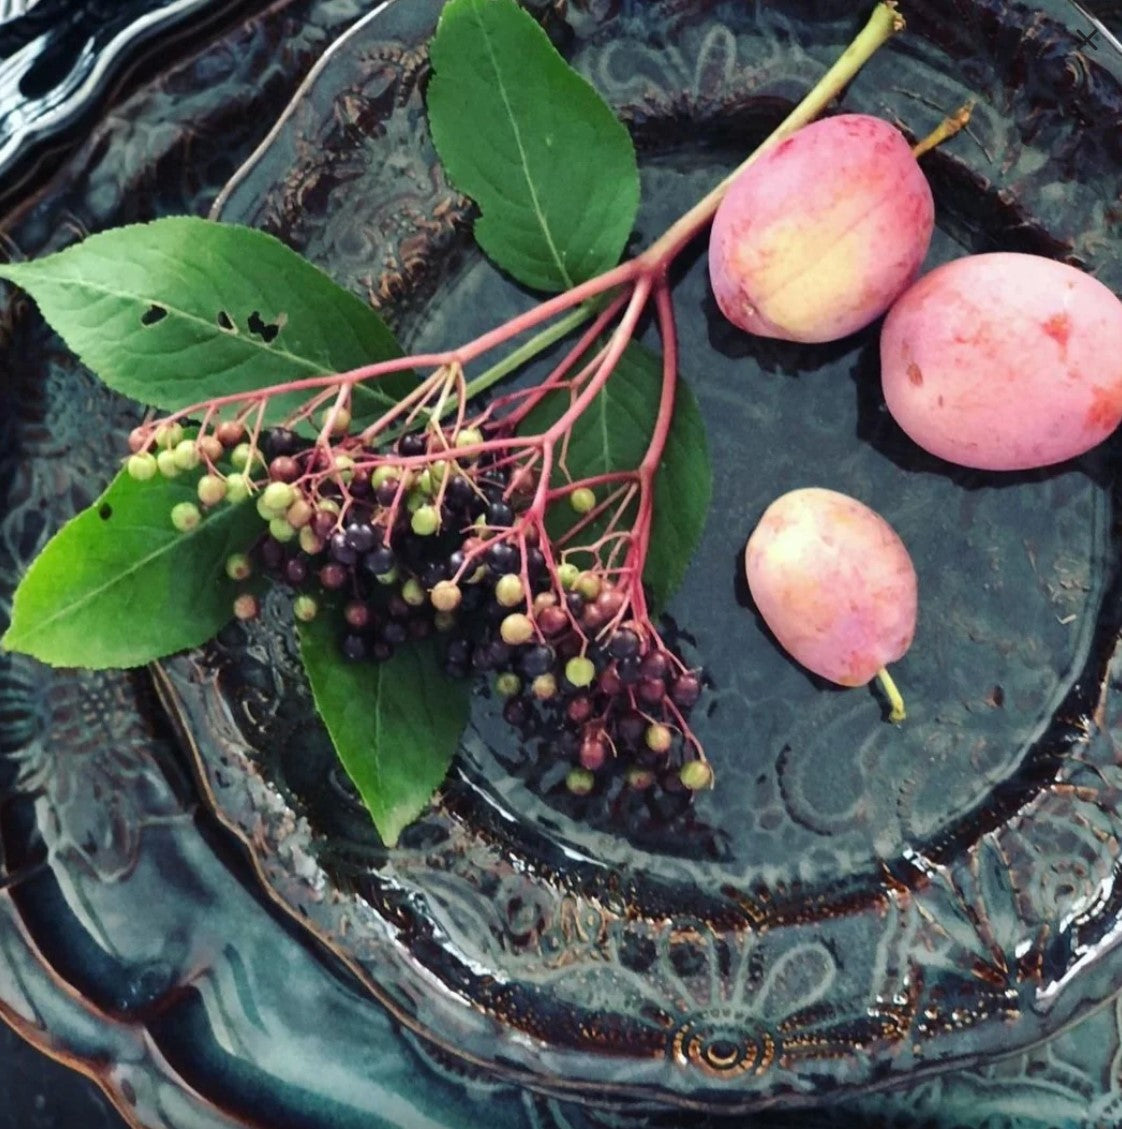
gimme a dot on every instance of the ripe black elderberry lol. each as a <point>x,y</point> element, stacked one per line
<point>412,445</point>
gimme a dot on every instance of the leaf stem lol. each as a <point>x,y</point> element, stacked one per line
<point>541,341</point>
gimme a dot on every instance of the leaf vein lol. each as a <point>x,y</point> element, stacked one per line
<point>523,154</point>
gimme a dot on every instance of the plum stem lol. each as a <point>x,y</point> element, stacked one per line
<point>945,130</point>
<point>892,693</point>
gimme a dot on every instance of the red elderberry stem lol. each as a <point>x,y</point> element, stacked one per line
<point>530,398</point>
<point>619,341</point>
<point>591,483</point>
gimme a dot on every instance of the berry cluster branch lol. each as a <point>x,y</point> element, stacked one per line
<point>436,515</point>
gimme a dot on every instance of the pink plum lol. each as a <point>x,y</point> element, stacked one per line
<point>816,238</point>
<point>1004,361</point>
<point>835,584</point>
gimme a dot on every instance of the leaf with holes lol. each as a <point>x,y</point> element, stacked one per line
<point>119,585</point>
<point>613,435</point>
<point>532,143</point>
<point>395,725</point>
<point>182,310</point>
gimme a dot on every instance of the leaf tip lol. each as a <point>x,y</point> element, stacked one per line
<point>389,832</point>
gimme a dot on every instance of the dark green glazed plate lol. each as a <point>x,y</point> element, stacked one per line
<point>856,907</point>
<point>856,903</point>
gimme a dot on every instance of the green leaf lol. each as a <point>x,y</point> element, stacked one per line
<point>119,586</point>
<point>395,725</point>
<point>181,310</point>
<point>520,132</point>
<point>613,435</point>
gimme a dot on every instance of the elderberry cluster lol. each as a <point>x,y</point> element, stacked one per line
<point>414,539</point>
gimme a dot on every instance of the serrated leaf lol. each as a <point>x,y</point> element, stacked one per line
<point>119,586</point>
<point>532,143</point>
<point>181,310</point>
<point>395,725</point>
<point>613,435</point>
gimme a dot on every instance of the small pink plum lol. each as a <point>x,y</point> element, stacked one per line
<point>835,584</point>
<point>817,237</point>
<point>1004,361</point>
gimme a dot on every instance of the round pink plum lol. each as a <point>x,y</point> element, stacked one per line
<point>834,582</point>
<point>816,238</point>
<point>1004,361</point>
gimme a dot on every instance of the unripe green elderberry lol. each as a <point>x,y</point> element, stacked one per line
<point>696,775</point>
<point>444,621</point>
<point>580,781</point>
<point>568,574</point>
<point>580,671</point>
<point>509,591</point>
<point>299,513</point>
<point>516,629</point>
<point>275,499</point>
<point>583,500</point>
<point>339,419</point>
<point>244,457</point>
<point>469,437</point>
<point>211,489</point>
<point>185,516</point>
<point>186,454</point>
<point>169,435</point>
<point>446,596</point>
<point>166,464</point>
<point>544,687</point>
<point>237,488</point>
<point>413,592</point>
<point>658,738</point>
<point>142,467</point>
<point>281,531</point>
<point>588,585</point>
<point>305,608</point>
<point>507,684</point>
<point>239,566</point>
<point>310,541</point>
<point>344,468</point>
<point>425,521</point>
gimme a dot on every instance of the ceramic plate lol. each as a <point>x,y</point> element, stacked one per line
<point>856,903</point>
<point>58,59</point>
<point>131,942</point>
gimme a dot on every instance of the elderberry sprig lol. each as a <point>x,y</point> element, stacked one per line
<point>394,502</point>
<point>445,530</point>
